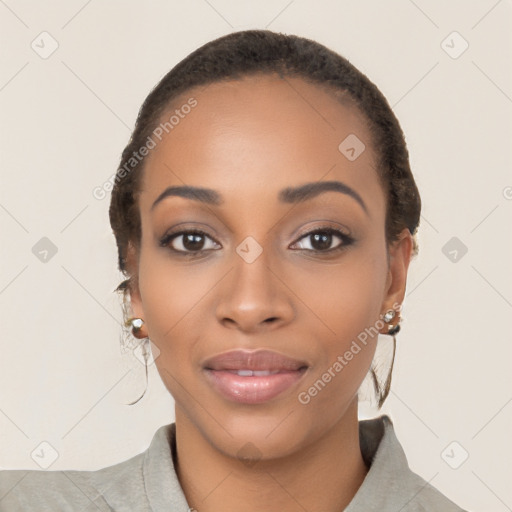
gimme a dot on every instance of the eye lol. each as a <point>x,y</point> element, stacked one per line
<point>195,241</point>
<point>321,240</point>
<point>189,242</point>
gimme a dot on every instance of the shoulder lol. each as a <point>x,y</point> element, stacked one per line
<point>421,496</point>
<point>390,483</point>
<point>67,490</point>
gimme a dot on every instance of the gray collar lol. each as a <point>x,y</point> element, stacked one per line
<point>389,484</point>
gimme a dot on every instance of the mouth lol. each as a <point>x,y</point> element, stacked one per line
<point>253,377</point>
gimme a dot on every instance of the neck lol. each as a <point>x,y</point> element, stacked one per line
<point>323,476</point>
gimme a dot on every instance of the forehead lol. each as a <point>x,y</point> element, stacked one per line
<point>250,138</point>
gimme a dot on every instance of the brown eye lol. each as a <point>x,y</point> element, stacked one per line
<point>321,240</point>
<point>193,241</point>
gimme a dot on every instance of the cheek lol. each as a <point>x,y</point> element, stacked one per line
<point>173,297</point>
<point>171,292</point>
<point>346,297</point>
<point>345,302</point>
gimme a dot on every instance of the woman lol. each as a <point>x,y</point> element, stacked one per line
<point>265,217</point>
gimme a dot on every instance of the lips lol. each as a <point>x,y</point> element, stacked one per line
<point>253,377</point>
<point>261,360</point>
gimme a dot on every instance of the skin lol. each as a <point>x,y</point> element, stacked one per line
<point>248,139</point>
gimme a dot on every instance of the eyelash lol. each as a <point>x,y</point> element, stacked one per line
<point>346,241</point>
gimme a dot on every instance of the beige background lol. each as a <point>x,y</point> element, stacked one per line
<point>66,119</point>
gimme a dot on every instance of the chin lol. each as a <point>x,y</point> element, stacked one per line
<point>262,433</point>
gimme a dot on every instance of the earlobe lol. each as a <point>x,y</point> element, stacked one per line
<point>135,318</point>
<point>136,307</point>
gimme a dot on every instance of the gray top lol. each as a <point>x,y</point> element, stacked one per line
<point>148,483</point>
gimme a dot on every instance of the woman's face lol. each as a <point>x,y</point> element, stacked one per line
<point>257,279</point>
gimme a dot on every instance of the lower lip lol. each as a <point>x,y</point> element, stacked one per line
<point>252,390</point>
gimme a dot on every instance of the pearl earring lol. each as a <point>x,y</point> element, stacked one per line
<point>389,316</point>
<point>137,323</point>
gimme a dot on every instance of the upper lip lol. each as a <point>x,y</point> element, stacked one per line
<point>253,360</point>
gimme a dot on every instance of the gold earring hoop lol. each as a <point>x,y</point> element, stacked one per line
<point>131,327</point>
<point>136,325</point>
<point>393,330</point>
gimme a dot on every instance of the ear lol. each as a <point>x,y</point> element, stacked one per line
<point>400,253</point>
<point>136,306</point>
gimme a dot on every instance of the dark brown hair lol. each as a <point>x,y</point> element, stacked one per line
<point>242,54</point>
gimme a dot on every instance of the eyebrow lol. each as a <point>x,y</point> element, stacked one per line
<point>289,195</point>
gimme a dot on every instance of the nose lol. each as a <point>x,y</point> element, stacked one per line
<point>254,297</point>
